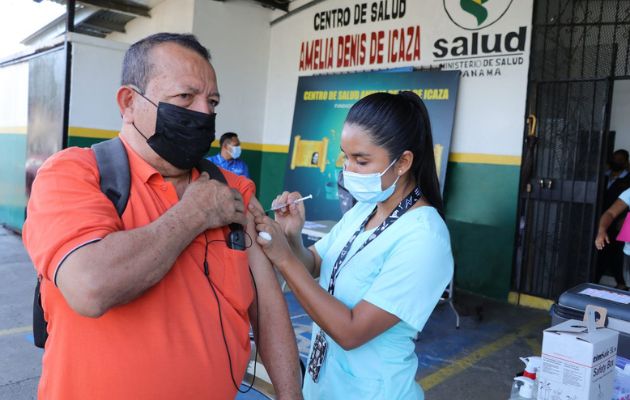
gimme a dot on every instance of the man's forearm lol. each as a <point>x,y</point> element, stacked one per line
<point>123,265</point>
<point>276,342</point>
<point>273,331</point>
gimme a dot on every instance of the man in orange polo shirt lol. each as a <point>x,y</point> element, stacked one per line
<point>154,304</point>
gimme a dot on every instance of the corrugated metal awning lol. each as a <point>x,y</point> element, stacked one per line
<point>101,17</point>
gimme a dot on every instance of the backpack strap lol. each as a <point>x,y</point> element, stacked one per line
<point>115,182</point>
<point>40,330</point>
<point>113,167</point>
<point>208,166</point>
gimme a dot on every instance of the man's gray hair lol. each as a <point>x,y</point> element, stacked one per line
<point>137,67</point>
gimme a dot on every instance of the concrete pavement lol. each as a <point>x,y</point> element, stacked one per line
<point>20,360</point>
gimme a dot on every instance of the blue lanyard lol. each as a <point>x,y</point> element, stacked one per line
<point>402,207</point>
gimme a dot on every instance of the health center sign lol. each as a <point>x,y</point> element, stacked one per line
<point>488,41</point>
<point>482,38</point>
<point>361,48</point>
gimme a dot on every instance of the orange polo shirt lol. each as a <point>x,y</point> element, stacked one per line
<point>167,343</point>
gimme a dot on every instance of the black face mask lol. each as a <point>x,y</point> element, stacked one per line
<point>182,137</point>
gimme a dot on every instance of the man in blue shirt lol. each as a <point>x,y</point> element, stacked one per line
<point>228,157</point>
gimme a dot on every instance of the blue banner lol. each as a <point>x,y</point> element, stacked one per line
<point>322,103</point>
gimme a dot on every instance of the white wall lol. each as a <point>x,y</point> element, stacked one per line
<point>96,68</point>
<point>282,82</point>
<point>490,110</point>
<point>14,98</point>
<point>169,16</point>
<point>620,114</point>
<point>237,34</point>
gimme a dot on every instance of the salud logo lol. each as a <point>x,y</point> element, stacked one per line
<point>473,15</point>
<point>475,8</point>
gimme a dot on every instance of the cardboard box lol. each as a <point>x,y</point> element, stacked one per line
<point>578,361</point>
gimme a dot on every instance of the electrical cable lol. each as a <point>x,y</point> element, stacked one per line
<point>206,271</point>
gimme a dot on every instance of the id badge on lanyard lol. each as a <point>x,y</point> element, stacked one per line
<point>317,355</point>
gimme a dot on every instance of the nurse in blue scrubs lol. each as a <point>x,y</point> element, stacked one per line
<point>382,268</point>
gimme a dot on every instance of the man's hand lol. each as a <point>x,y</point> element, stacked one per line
<point>214,203</point>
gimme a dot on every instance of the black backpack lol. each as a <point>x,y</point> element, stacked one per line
<point>113,167</point>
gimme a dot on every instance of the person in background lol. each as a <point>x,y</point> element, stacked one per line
<point>228,157</point>
<point>154,304</point>
<point>618,171</point>
<point>619,207</point>
<point>383,266</point>
<point>611,257</point>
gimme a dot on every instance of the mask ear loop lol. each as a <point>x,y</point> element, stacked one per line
<point>141,134</point>
<point>398,175</point>
<point>137,90</point>
<point>389,166</point>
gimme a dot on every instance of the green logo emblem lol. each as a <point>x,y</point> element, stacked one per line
<point>476,8</point>
<point>474,15</point>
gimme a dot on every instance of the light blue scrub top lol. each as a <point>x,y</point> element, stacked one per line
<point>404,271</point>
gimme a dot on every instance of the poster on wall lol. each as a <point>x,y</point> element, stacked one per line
<point>322,103</point>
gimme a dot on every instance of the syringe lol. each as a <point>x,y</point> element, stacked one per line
<point>310,196</point>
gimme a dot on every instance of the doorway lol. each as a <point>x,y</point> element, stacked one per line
<point>579,51</point>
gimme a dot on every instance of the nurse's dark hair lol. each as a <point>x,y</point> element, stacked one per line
<point>137,66</point>
<point>399,122</point>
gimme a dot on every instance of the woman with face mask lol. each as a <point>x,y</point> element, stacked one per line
<point>382,268</point>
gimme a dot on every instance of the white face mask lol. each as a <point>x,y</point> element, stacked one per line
<point>236,151</point>
<point>366,188</point>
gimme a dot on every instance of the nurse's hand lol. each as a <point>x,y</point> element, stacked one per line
<point>291,218</point>
<point>271,238</point>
